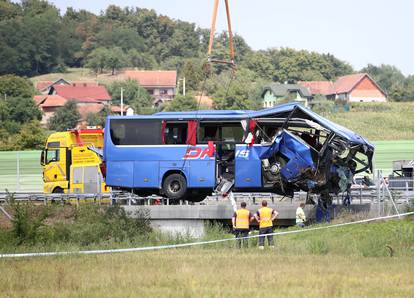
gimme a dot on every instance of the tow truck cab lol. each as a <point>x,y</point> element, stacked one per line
<point>71,162</point>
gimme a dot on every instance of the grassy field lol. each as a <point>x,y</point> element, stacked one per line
<point>346,262</point>
<point>379,121</point>
<point>79,74</point>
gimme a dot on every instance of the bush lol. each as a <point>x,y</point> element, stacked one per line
<point>26,225</point>
<point>87,225</point>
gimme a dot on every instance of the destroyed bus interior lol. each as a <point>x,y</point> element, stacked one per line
<point>307,154</point>
<point>187,155</point>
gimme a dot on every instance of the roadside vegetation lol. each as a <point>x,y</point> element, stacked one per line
<point>57,227</point>
<point>369,260</point>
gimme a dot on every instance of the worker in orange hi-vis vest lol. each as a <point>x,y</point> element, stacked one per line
<point>265,217</point>
<point>241,224</point>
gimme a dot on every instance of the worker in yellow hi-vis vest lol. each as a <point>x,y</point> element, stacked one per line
<point>241,224</point>
<point>265,217</point>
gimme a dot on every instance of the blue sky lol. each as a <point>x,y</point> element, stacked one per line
<point>357,31</point>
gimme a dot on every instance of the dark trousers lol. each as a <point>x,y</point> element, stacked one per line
<point>240,233</point>
<point>264,231</point>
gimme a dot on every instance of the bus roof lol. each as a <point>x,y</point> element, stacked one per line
<point>280,111</point>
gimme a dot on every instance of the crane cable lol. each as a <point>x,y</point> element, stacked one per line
<point>207,65</point>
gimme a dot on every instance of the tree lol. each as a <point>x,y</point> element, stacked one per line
<point>125,38</point>
<point>23,109</point>
<point>96,60</point>
<point>102,58</point>
<point>261,64</point>
<point>134,95</point>
<point>31,136</point>
<point>9,10</point>
<point>182,103</point>
<point>115,59</point>
<point>66,117</point>
<point>97,119</point>
<point>193,73</point>
<point>241,93</point>
<point>141,60</point>
<point>14,86</point>
<point>28,43</point>
<point>15,111</point>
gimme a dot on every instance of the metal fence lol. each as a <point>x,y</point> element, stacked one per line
<point>20,171</point>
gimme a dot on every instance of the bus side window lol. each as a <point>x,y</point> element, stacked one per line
<point>208,133</point>
<point>175,133</point>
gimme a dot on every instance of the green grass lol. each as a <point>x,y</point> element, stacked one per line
<point>79,74</point>
<point>351,261</point>
<point>378,121</point>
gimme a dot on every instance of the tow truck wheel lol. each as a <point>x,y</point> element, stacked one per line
<point>174,186</point>
<point>58,190</point>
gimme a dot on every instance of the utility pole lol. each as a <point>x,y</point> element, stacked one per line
<point>178,86</point>
<point>122,101</point>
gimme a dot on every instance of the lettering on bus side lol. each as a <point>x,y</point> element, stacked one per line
<point>197,153</point>
<point>200,153</point>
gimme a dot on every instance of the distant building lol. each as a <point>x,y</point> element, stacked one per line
<point>45,86</point>
<point>325,88</point>
<point>89,98</point>
<point>81,92</point>
<point>127,111</point>
<point>160,84</point>
<point>275,93</point>
<point>48,104</point>
<point>358,87</point>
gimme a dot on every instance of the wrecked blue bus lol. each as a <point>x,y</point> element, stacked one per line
<point>188,155</point>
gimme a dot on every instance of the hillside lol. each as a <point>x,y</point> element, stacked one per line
<point>378,122</point>
<point>79,74</point>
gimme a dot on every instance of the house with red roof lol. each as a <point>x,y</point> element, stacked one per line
<point>82,93</point>
<point>358,87</point>
<point>89,98</point>
<point>325,88</point>
<point>49,104</point>
<point>160,84</point>
<point>45,86</point>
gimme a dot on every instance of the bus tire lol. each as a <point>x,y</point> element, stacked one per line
<point>174,186</point>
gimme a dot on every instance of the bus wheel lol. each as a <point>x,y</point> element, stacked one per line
<point>174,186</point>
